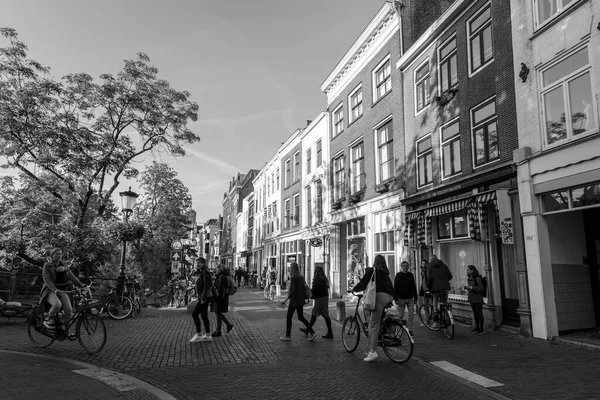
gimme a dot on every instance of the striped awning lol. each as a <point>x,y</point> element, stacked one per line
<point>486,197</point>
<point>447,208</point>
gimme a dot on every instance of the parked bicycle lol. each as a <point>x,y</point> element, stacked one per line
<point>132,288</point>
<point>90,331</point>
<point>394,338</point>
<point>118,306</point>
<point>269,292</point>
<point>441,318</point>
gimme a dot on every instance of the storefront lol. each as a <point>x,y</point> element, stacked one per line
<point>316,245</point>
<point>471,230</point>
<point>291,251</point>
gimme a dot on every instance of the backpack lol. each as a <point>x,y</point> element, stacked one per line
<point>231,288</point>
<point>273,276</point>
<point>485,285</point>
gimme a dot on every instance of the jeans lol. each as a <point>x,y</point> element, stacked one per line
<point>410,303</point>
<point>288,320</point>
<point>58,300</point>
<point>382,299</point>
<point>478,315</point>
<point>220,319</point>
<point>202,310</point>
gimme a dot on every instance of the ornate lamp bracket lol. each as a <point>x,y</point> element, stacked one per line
<point>524,72</point>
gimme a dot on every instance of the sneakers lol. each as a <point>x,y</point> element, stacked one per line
<point>304,330</point>
<point>371,356</point>
<point>475,330</point>
<point>285,338</point>
<point>328,336</point>
<point>229,328</point>
<point>49,324</point>
<point>71,336</point>
<point>312,336</point>
<point>203,338</point>
<point>216,334</point>
<point>481,332</point>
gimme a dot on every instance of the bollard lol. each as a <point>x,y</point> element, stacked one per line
<point>340,310</point>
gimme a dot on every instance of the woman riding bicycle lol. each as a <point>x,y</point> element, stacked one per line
<point>385,292</point>
<point>56,277</point>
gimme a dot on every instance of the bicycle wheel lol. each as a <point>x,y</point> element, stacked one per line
<point>448,324</point>
<point>37,333</point>
<point>119,307</point>
<point>137,306</point>
<point>426,315</point>
<point>91,333</point>
<point>351,334</point>
<point>396,342</point>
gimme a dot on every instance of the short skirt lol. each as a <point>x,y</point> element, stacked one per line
<point>321,307</point>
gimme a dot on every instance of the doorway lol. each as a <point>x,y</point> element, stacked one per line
<point>591,220</point>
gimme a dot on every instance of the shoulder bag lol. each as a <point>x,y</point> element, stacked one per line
<point>370,293</point>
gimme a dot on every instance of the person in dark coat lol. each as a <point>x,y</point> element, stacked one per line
<point>297,299</point>
<point>384,295</point>
<point>320,295</point>
<point>220,303</point>
<point>405,293</point>
<point>438,280</point>
<point>476,288</point>
<point>203,290</point>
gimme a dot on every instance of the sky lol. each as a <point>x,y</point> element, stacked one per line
<point>254,67</point>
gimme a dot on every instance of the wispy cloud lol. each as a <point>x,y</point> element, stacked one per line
<point>217,162</point>
<point>221,184</point>
<point>212,203</point>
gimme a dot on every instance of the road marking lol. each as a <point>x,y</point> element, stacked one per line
<point>468,375</point>
<point>110,378</point>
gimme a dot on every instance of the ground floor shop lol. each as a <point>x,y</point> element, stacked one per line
<point>316,251</point>
<point>358,234</point>
<point>561,218</point>
<point>480,228</point>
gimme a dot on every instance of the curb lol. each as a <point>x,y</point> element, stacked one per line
<point>137,383</point>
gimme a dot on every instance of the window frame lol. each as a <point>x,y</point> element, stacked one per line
<point>308,160</point>
<point>288,173</point>
<point>358,161</point>
<point>309,205</point>
<point>358,105</point>
<point>447,59</point>
<point>560,10</point>
<point>319,201</point>
<point>564,84</point>
<point>447,142</point>
<point>287,218</point>
<point>477,33</point>
<point>296,207</point>
<point>453,235</point>
<point>337,127</point>
<point>388,121</point>
<point>422,81</point>
<point>425,154</point>
<point>277,176</point>
<point>339,177</point>
<point>375,86</point>
<point>296,167</point>
<point>319,152</point>
<point>486,122</point>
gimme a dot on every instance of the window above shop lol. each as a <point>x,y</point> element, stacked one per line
<point>453,225</point>
<point>356,227</point>
<point>567,199</point>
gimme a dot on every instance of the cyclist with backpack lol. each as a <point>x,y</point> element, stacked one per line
<point>476,289</point>
<point>220,303</point>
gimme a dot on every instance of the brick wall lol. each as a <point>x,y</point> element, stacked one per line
<point>290,191</point>
<point>497,78</point>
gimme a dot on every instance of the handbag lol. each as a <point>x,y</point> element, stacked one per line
<point>370,293</point>
<point>307,292</point>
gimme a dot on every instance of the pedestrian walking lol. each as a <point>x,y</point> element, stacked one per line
<point>476,288</point>
<point>384,295</point>
<point>438,281</point>
<point>220,303</point>
<point>297,299</point>
<point>320,295</point>
<point>405,293</point>
<point>204,292</point>
<point>423,299</point>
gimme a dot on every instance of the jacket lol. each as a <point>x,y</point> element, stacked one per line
<point>320,288</point>
<point>438,276</point>
<point>296,294</point>
<point>221,302</point>
<point>475,294</point>
<point>49,277</point>
<point>383,282</point>
<point>405,286</point>
<point>203,284</point>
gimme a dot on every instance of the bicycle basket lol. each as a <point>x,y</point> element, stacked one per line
<point>393,313</point>
<point>84,301</point>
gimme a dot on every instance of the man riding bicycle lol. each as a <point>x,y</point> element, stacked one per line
<point>438,281</point>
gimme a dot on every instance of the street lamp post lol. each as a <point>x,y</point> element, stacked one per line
<point>127,202</point>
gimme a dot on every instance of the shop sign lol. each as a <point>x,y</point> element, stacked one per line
<point>175,267</point>
<point>505,216</point>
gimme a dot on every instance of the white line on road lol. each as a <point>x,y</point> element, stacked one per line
<point>110,378</point>
<point>468,375</point>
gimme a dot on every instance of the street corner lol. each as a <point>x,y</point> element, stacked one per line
<point>33,375</point>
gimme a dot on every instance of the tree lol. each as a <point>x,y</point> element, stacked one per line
<point>162,210</point>
<point>85,134</point>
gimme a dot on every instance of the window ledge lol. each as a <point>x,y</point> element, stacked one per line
<point>381,98</point>
<point>350,123</point>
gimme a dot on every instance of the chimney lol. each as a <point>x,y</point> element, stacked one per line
<point>308,121</point>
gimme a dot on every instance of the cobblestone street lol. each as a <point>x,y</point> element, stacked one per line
<point>251,362</point>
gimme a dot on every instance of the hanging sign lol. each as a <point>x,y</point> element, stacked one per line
<point>175,267</point>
